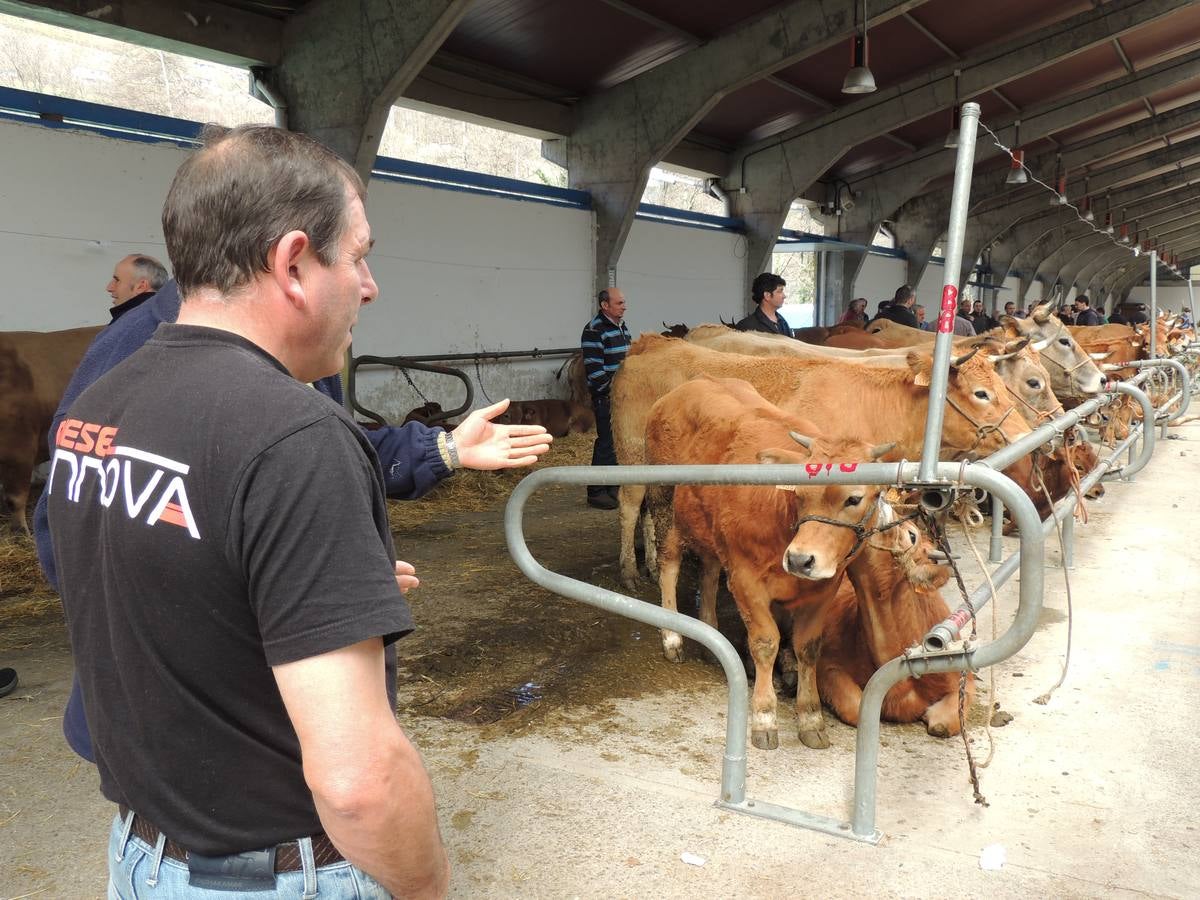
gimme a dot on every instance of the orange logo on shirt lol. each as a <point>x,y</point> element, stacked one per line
<point>86,437</point>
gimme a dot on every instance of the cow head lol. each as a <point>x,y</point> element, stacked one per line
<point>830,521</point>
<point>980,416</point>
<point>1025,378</point>
<point>912,550</point>
<point>1073,373</point>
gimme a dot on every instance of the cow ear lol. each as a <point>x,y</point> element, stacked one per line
<point>921,366</point>
<point>778,456</point>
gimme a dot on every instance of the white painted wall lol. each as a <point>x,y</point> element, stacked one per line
<point>1172,296</point>
<point>458,272</point>
<point>71,205</point>
<point>878,279</point>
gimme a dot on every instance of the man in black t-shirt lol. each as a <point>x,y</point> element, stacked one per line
<point>225,561</point>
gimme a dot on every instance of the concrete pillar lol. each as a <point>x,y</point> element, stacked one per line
<point>345,62</point>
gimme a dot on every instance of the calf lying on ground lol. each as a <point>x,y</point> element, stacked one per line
<point>559,417</point>
<point>889,605</point>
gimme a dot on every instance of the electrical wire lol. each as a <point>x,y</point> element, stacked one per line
<point>1134,250</point>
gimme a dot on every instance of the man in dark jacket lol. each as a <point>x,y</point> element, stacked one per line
<point>136,278</point>
<point>1084,314</point>
<point>767,294</point>
<point>900,309</point>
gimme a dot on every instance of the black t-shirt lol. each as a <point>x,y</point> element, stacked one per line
<point>212,517</point>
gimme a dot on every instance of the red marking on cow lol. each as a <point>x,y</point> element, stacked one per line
<point>814,469</point>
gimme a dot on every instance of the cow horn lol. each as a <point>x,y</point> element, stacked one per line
<point>1041,314</point>
<point>999,357</point>
<point>962,359</point>
<point>881,450</point>
<point>939,555</point>
<point>801,439</point>
<point>1101,355</point>
<point>1039,346</point>
<point>1110,367</point>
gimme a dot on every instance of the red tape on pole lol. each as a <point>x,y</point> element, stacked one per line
<point>949,305</point>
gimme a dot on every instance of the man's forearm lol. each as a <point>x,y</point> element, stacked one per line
<point>388,827</point>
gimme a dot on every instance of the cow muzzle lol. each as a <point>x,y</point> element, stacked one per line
<point>804,564</point>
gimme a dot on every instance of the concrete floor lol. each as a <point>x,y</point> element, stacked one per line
<point>1091,795</point>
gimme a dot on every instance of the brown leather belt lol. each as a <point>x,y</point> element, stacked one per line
<point>287,855</point>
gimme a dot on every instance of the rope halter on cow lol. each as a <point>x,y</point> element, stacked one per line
<point>983,430</point>
<point>879,508</point>
<point>1039,415</point>
<point>885,521</point>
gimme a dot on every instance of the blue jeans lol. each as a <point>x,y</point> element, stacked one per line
<point>137,870</point>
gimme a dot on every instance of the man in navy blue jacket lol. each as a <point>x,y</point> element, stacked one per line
<point>414,457</point>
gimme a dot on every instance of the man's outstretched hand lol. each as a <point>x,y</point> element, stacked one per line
<point>482,444</point>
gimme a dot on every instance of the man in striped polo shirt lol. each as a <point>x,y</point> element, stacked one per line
<point>605,342</point>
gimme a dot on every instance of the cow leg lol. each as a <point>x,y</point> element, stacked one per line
<point>710,579</point>
<point>840,691</point>
<point>762,635</point>
<point>941,719</point>
<point>668,583</point>
<point>806,642</point>
<point>16,469</point>
<point>648,530</point>
<point>630,497</point>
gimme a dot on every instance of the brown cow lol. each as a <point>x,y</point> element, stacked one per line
<point>35,368</point>
<point>889,605</point>
<point>559,417</point>
<point>576,379</point>
<point>786,545</point>
<point>1073,373</point>
<point>875,404</point>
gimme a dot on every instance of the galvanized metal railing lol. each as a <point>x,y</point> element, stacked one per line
<point>941,651</point>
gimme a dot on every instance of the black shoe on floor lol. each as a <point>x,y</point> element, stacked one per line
<point>8,681</point>
<point>602,501</point>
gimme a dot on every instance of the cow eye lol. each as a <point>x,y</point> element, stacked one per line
<point>1034,384</point>
<point>1065,342</point>
<point>982,394</point>
<point>912,537</point>
<point>853,501</point>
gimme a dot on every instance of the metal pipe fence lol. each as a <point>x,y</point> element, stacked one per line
<point>941,650</point>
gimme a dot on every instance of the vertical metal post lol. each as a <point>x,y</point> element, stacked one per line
<point>1191,296</point>
<point>1153,302</point>
<point>996,551</point>
<point>959,202</point>
<point>1068,535</point>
